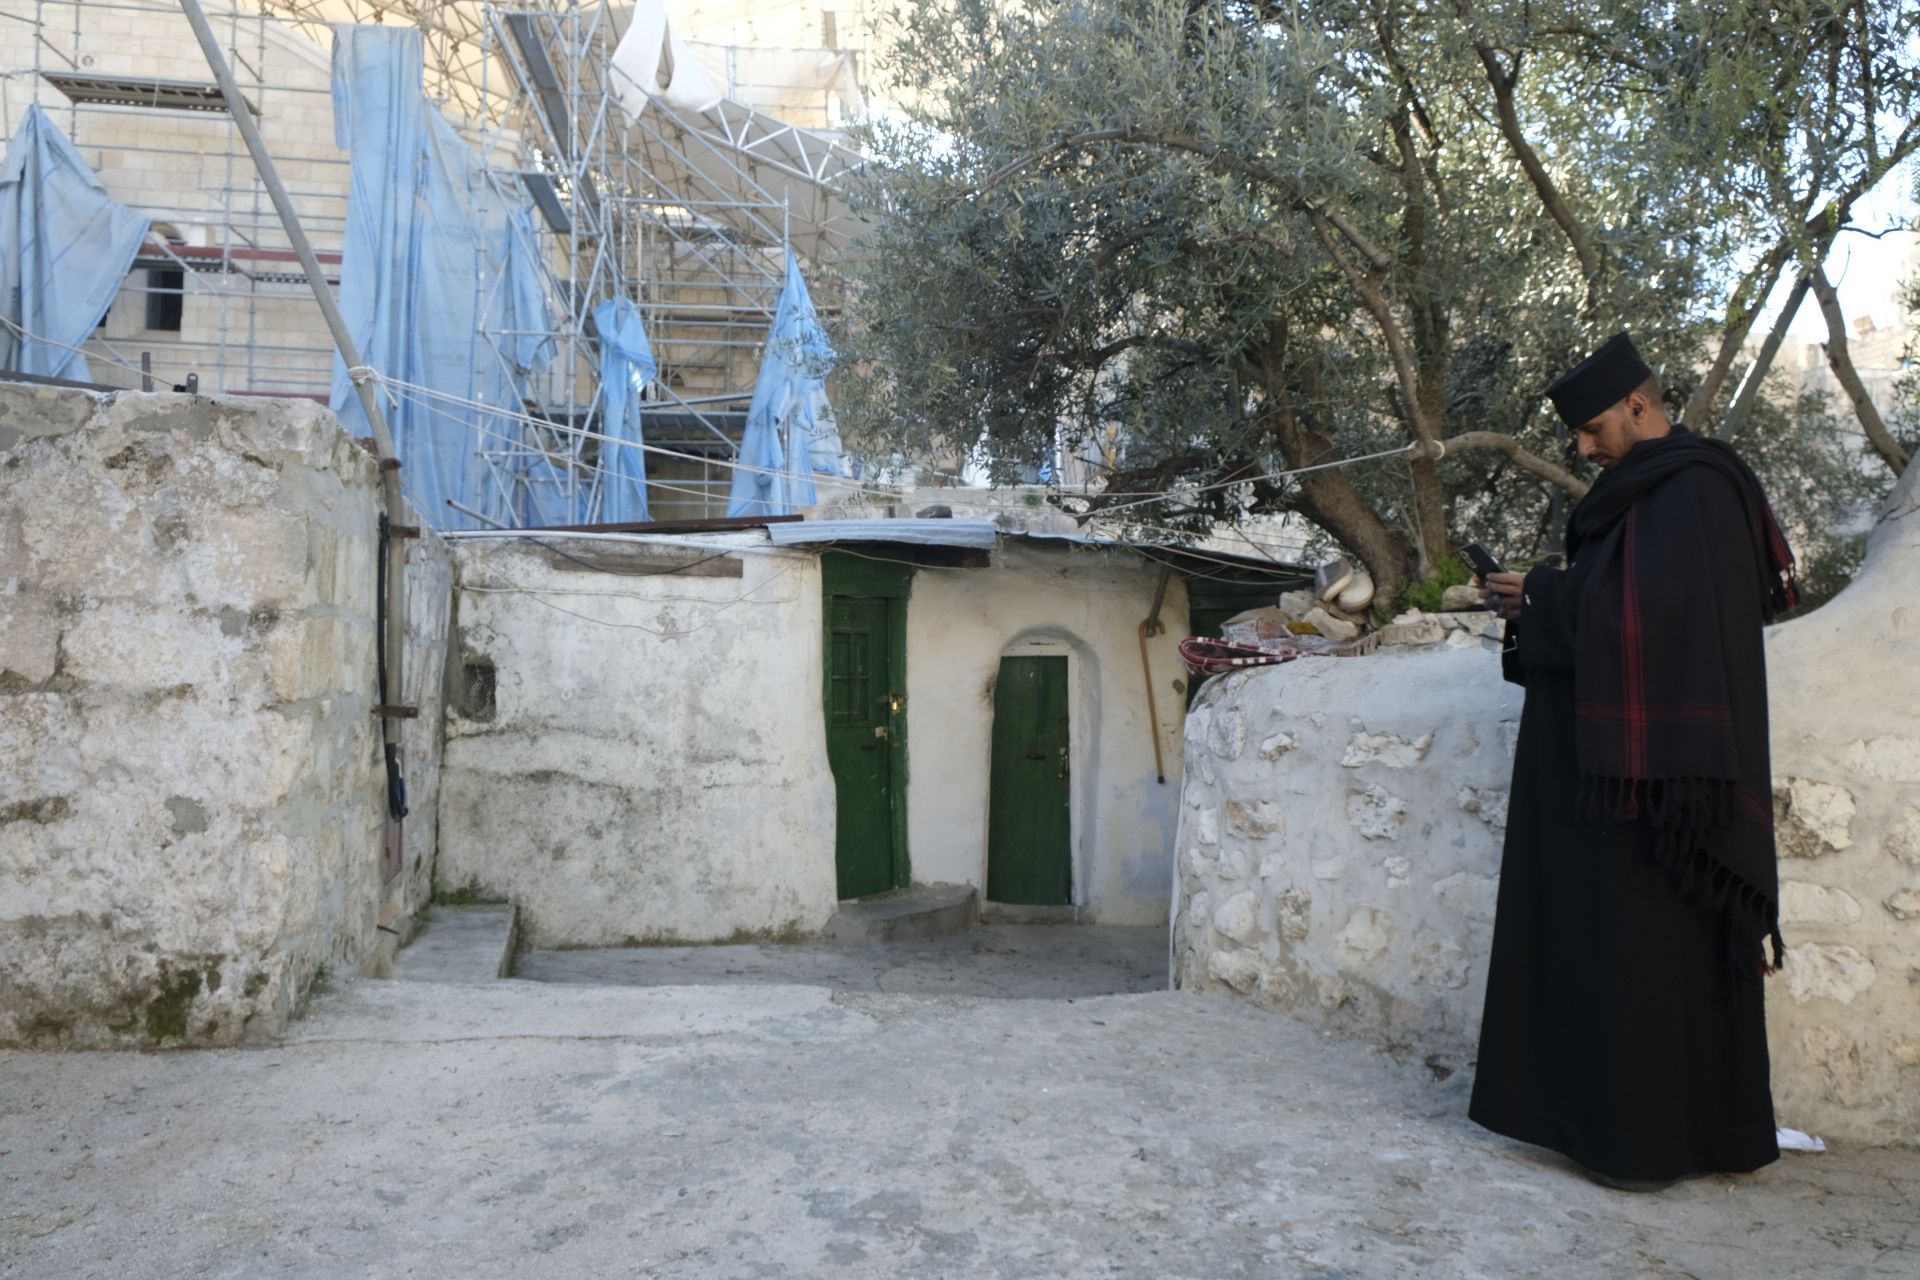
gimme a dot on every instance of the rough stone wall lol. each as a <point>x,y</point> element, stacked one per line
<point>1342,823</point>
<point>635,750</point>
<point>1844,1017</point>
<point>1340,838</point>
<point>191,820</point>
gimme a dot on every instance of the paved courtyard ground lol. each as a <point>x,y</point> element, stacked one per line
<point>520,1128</point>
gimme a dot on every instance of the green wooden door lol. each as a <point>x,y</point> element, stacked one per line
<point>859,743</point>
<point>1028,831</point>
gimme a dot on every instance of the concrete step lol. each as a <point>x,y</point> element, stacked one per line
<point>460,944</point>
<point>924,911</point>
<point>1023,913</point>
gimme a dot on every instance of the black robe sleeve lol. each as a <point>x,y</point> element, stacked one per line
<point>1541,638</point>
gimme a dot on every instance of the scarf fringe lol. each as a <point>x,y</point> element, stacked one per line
<point>1683,812</point>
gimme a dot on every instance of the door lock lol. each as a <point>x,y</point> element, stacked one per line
<point>896,702</point>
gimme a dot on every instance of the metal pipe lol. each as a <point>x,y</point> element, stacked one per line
<point>395,503</point>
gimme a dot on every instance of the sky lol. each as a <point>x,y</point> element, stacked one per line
<point>1867,273</point>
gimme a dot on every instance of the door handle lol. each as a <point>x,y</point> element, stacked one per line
<point>1062,775</point>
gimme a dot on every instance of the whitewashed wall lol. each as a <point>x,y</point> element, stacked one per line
<point>192,810</point>
<point>1084,604</point>
<point>1342,824</point>
<point>653,767</point>
<point>1340,839</point>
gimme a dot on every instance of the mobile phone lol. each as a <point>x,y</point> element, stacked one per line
<point>1480,560</point>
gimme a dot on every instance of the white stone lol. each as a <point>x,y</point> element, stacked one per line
<point>1812,818</point>
<point>1233,865</point>
<point>1238,917</point>
<point>1804,903</point>
<point>1255,818</point>
<point>1227,735</point>
<point>1328,868</point>
<point>1510,735</point>
<point>1206,826</point>
<point>1365,938</point>
<point>1837,1057</point>
<point>1463,598</point>
<point>1440,962</point>
<point>1376,813</point>
<point>1490,805</point>
<point>1888,759</point>
<point>1905,904</point>
<point>1473,896</point>
<point>1903,841</point>
<point>1827,971</point>
<point>1386,749</point>
<point>1272,866</point>
<point>1236,969</point>
<point>1427,631</point>
<point>1318,719</point>
<point>1293,910</point>
<point>1276,745</point>
<point>1331,627</point>
<point>1399,871</point>
<point>1298,604</point>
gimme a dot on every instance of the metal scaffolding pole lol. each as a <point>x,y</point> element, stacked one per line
<point>391,708</point>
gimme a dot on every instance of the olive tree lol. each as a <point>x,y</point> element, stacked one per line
<point>1260,237</point>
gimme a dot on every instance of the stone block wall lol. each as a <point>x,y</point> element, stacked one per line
<point>192,816</point>
<point>1340,835</point>
<point>1342,824</point>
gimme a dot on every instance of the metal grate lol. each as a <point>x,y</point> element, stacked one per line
<point>137,91</point>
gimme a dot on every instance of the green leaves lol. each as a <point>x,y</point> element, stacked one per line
<point>1253,236</point>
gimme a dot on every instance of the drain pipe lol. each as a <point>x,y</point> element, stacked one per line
<point>395,528</point>
<point>1152,626</point>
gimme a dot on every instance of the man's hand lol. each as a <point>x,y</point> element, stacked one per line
<point>1504,593</point>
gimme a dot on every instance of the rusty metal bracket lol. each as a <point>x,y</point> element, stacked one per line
<point>397,713</point>
<point>403,531</point>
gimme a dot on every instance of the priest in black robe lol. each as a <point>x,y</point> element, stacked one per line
<point>1624,1023</point>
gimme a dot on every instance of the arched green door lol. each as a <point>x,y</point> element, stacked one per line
<point>1029,831</point>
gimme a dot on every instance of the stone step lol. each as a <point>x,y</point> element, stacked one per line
<point>924,911</point>
<point>460,944</point>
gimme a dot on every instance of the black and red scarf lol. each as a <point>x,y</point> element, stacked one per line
<point>1670,679</point>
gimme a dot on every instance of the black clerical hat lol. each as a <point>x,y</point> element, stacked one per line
<point>1599,382</point>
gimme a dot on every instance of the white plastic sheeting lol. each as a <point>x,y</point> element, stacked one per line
<point>979,534</point>
<point>65,249</point>
<point>439,254</point>
<point>768,179</point>
<point>791,434</point>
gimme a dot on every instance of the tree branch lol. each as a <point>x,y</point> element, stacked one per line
<point>1543,184</point>
<point>1841,361</point>
<point>1521,457</point>
<point>1377,305</point>
<point>1818,230</point>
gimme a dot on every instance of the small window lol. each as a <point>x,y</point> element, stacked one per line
<point>166,299</point>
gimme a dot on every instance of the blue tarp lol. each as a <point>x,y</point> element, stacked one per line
<point>791,435</point>
<point>626,366</point>
<point>65,249</point>
<point>440,286</point>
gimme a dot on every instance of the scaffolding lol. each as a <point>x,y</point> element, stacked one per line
<point>688,214</point>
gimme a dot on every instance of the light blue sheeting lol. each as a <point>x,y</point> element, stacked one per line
<point>918,532</point>
<point>626,366</point>
<point>791,434</point>
<point>65,249</point>
<point>439,255</point>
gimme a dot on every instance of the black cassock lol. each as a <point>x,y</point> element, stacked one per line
<point>1624,1023</point>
